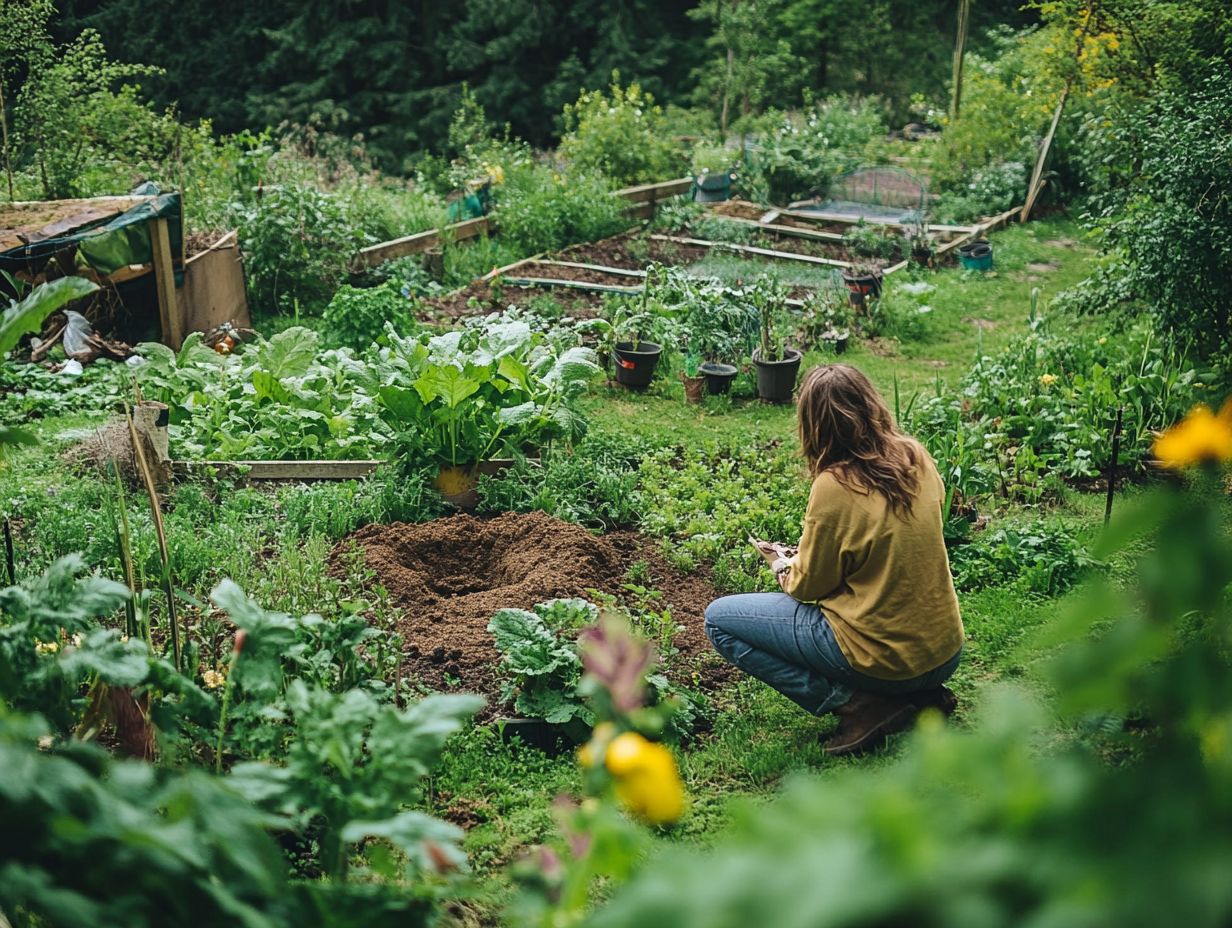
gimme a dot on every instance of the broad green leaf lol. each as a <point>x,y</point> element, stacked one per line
<point>448,384</point>
<point>516,371</point>
<point>290,353</point>
<point>28,314</point>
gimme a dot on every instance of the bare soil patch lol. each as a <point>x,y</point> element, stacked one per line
<point>450,576</point>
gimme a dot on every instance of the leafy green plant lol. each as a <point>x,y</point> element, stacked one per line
<point>799,155</point>
<point>594,484</point>
<point>493,387</point>
<point>298,242</point>
<point>1040,557</point>
<point>540,659</point>
<point>871,241</point>
<point>272,399</point>
<point>620,134</point>
<point>352,766</point>
<point>356,317</point>
<point>539,209</point>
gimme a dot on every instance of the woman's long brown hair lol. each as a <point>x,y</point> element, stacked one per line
<point>846,428</point>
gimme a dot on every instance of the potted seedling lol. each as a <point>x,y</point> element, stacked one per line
<point>692,378</point>
<point>620,341</point>
<point>863,283</point>
<point>777,364</point>
<point>920,243</point>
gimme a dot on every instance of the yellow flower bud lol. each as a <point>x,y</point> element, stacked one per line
<point>647,782</point>
<point>1201,436</point>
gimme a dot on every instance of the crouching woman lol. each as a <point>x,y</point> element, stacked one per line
<point>867,623</point>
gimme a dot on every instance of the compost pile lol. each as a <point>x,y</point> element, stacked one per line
<point>451,575</point>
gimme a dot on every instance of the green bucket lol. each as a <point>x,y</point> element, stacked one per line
<point>976,256</point>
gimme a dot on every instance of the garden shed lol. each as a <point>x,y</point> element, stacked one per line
<point>134,248</point>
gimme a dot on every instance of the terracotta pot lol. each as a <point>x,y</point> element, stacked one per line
<point>694,387</point>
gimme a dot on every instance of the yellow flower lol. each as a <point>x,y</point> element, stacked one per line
<point>1103,340</point>
<point>46,647</point>
<point>647,782</point>
<point>1200,436</point>
<point>1047,380</point>
<point>590,753</point>
<point>213,679</point>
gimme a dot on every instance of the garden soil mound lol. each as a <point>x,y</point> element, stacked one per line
<point>449,577</point>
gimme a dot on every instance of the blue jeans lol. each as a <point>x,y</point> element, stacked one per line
<point>790,646</point>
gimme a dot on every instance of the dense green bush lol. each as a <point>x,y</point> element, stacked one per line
<point>989,190</point>
<point>621,134</point>
<point>1172,230</point>
<point>1048,402</point>
<point>1041,557</point>
<point>541,210</point>
<point>799,155</point>
<point>356,316</point>
<point>298,242</point>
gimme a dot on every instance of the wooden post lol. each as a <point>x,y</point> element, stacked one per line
<point>164,282</point>
<point>1112,464</point>
<point>150,423</point>
<point>960,44</point>
<point>1036,184</point>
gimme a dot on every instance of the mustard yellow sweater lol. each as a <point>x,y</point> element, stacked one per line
<point>883,581</point>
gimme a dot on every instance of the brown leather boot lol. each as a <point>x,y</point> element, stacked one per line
<point>865,720</point>
<point>941,698</point>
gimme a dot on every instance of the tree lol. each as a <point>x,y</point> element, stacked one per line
<point>23,38</point>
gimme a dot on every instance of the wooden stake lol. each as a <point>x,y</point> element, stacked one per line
<point>9,560</point>
<point>160,532</point>
<point>164,282</point>
<point>1112,464</point>
<point>960,44</point>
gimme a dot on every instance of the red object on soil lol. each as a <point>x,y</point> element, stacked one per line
<point>451,575</point>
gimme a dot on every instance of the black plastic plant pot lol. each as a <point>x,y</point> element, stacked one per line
<point>719,377</point>
<point>776,380</point>
<point>862,286</point>
<point>838,344</point>
<point>551,738</point>
<point>635,368</point>
<point>713,188</point>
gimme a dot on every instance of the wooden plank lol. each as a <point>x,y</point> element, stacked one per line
<point>652,192</point>
<point>641,210</point>
<point>169,317</point>
<point>771,216</point>
<point>421,241</point>
<point>570,284</point>
<point>213,291</point>
<point>600,268</point>
<point>286,470</point>
<point>751,250</point>
<point>498,271</point>
<point>792,231</point>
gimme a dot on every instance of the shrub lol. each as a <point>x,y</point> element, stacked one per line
<point>355,317</point>
<point>1171,230</point>
<point>621,134</point>
<point>801,154</point>
<point>541,210</point>
<point>990,190</point>
<point>298,242</point>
